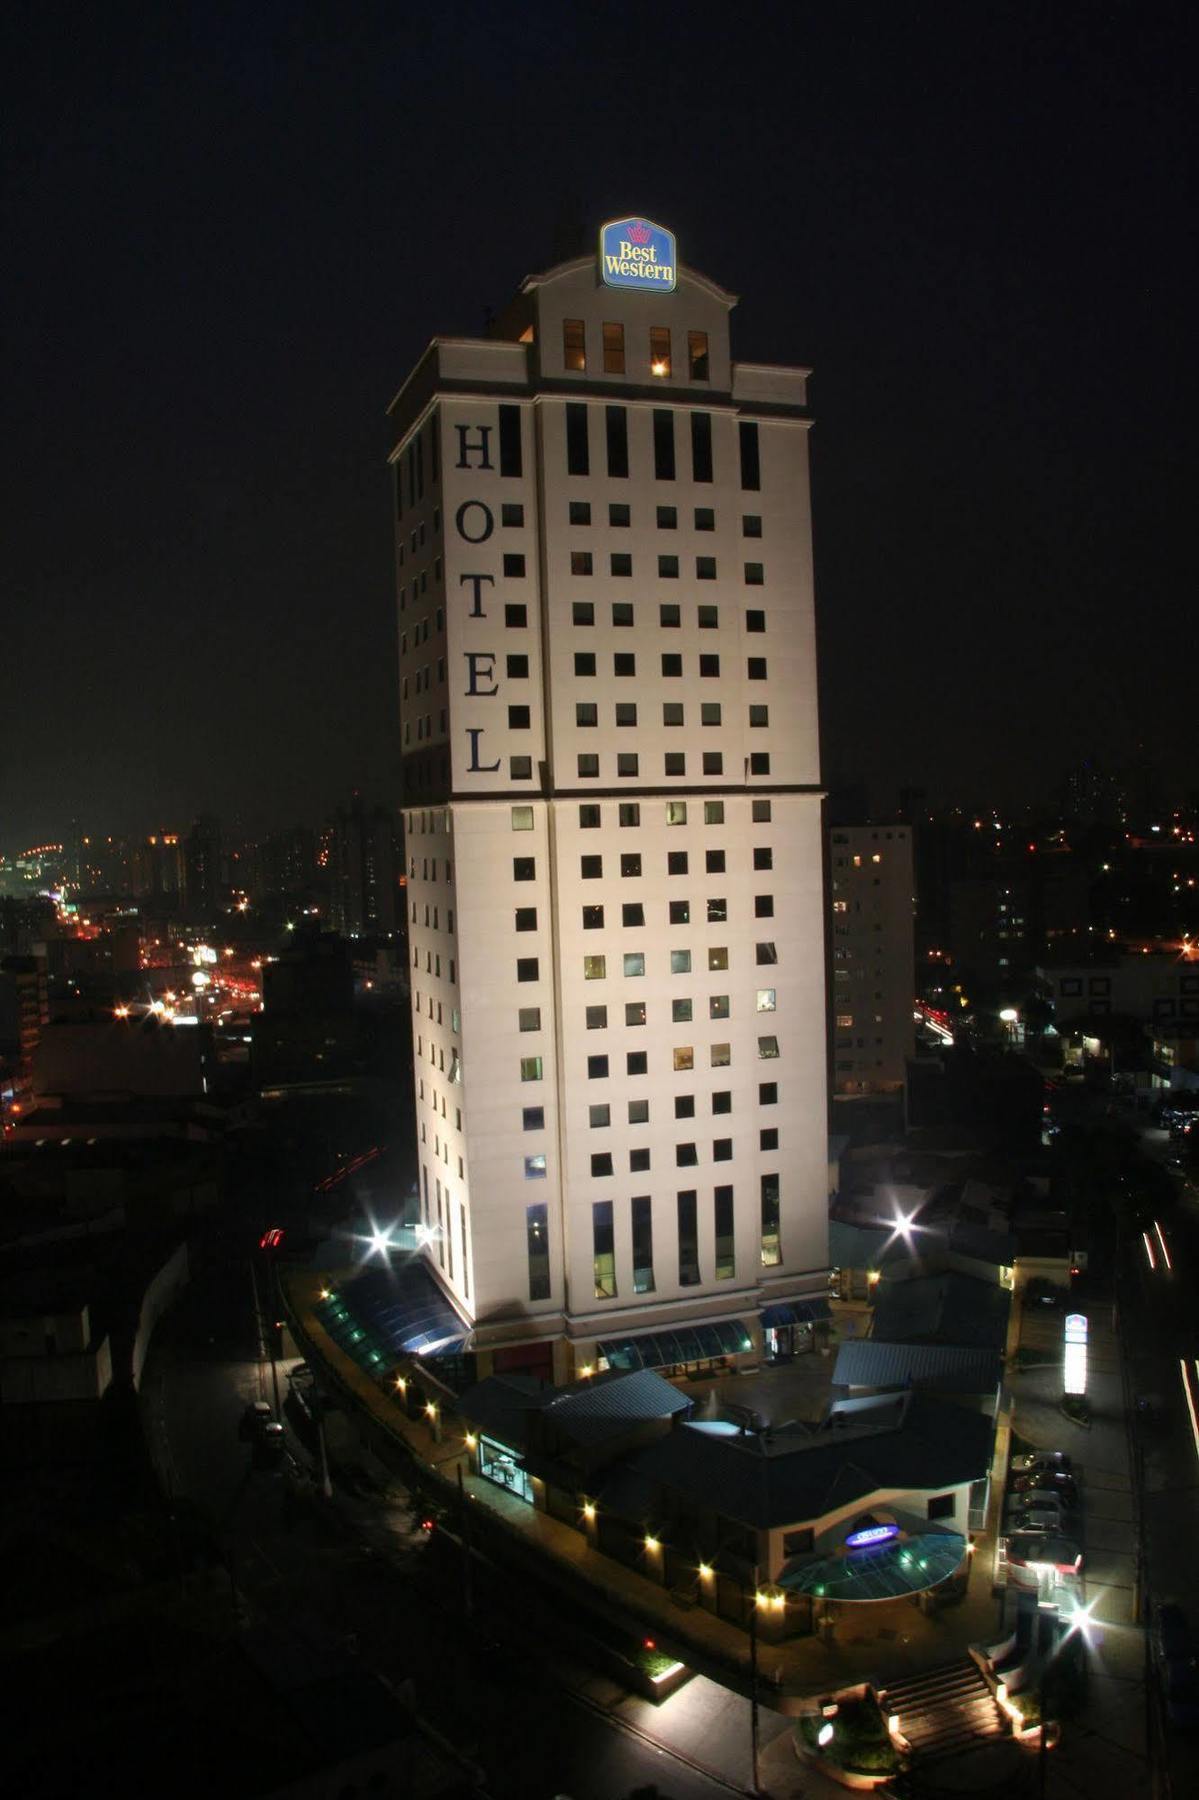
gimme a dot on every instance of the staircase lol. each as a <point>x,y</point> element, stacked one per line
<point>947,1710</point>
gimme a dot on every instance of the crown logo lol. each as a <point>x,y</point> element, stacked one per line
<point>640,233</point>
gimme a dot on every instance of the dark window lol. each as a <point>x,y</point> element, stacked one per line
<point>643,1244</point>
<point>620,562</point>
<point>709,665</point>
<point>765,953</point>
<point>614,350</point>
<point>769,1138</point>
<point>597,1020</point>
<point>582,612</point>
<point>632,913</point>
<point>618,513</point>
<point>617,420</point>
<point>705,568</point>
<point>593,918</point>
<point>763,857</point>
<point>591,868</point>
<point>630,864</point>
<point>672,713</point>
<point>722,1149</point>
<point>670,615</point>
<point>668,518</point>
<point>638,1161</point>
<point>533,1118</point>
<point>526,968</point>
<point>756,668</point>
<point>759,763</point>
<point>723,1209</point>
<point>629,811</point>
<point>941,1506</point>
<point>601,1163</point>
<point>708,617</point>
<point>603,1250</point>
<point>636,1062</point>
<point>510,456</point>
<point>597,1068</point>
<point>671,664</point>
<point>798,1543</point>
<point>580,512</point>
<point>512,513</point>
<point>684,1106</point>
<point>688,1240</point>
<point>763,906</point>
<point>754,575</point>
<point>760,812</point>
<point>520,768</point>
<point>701,446</point>
<point>516,615</point>
<point>680,912</point>
<point>586,712</point>
<point>518,718</point>
<point>714,861</point>
<point>574,347</point>
<point>759,715</point>
<point>584,662</point>
<point>626,712</point>
<point>626,762</point>
<point>674,763</point>
<point>751,525</point>
<point>750,468</point>
<point>578,455</point>
<point>697,355</point>
<point>624,662</point>
<point>526,918</point>
<point>768,1093</point>
<point>676,862</point>
<point>524,868</point>
<point>755,621</point>
<point>659,350</point>
<point>580,562</point>
<point>663,444</point>
<point>514,564</point>
<point>722,1102</point>
<point>518,668</point>
<point>713,762</point>
<point>686,1156</point>
<point>589,817</point>
<point>537,1234</point>
<point>668,568</point>
<point>705,519</point>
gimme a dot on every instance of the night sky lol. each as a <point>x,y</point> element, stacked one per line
<point>229,232</point>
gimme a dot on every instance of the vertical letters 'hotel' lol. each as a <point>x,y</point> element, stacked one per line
<point>612,813</point>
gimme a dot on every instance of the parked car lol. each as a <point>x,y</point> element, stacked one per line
<point>1048,1516</point>
<point>1042,1481</point>
<point>256,1415</point>
<point>1055,1461</point>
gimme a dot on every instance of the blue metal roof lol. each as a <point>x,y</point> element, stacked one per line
<point>868,1362</point>
<point>392,1309</point>
<point>665,1349</point>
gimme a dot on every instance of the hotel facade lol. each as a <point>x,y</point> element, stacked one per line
<point>612,814</point>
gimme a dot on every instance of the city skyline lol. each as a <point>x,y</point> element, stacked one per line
<point>209,537</point>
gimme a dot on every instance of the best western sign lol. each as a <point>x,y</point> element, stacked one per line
<point>633,253</point>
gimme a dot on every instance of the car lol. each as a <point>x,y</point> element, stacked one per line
<point>1051,1461</point>
<point>256,1416</point>
<point>270,1444</point>
<point>1037,1518</point>
<point>1033,1481</point>
<point>1047,1495</point>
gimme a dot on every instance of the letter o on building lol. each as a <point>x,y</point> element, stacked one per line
<point>461,516</point>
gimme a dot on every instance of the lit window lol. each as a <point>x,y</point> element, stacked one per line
<point>659,350</point>
<point>522,818</point>
<point>530,1068</point>
<point>684,1057</point>
<point>634,962</point>
<point>535,1168</point>
<point>766,999</point>
<point>595,968</point>
<point>768,1047</point>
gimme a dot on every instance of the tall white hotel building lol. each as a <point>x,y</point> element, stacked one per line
<point>611,798</point>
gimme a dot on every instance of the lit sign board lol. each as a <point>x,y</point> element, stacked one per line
<point>1074,1355</point>
<point>871,1534</point>
<point>633,253</point>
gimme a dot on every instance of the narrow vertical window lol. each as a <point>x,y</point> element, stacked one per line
<point>434,471</point>
<point>659,350</point>
<point>750,468</point>
<point>701,446</point>
<point>697,355</point>
<point>643,1244</point>
<point>510,455</point>
<point>688,1239</point>
<point>663,444</point>
<point>462,1238</point>
<point>398,471</point>
<point>578,455</point>
<point>772,1249</point>
<point>613,349</point>
<point>726,1263</point>
<point>412,474</point>
<point>617,420</point>
<point>420,468</point>
<point>574,345</point>
<point>538,1238</point>
<point>603,1250</point>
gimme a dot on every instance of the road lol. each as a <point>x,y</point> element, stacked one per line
<point>360,1576</point>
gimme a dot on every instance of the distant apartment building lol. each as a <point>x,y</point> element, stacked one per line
<point>873,956</point>
<point>989,923</point>
<point>1160,993</point>
<point>156,870</point>
<point>202,874</point>
<point>24,1009</point>
<point>363,871</point>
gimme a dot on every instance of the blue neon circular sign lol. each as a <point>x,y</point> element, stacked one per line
<point>871,1534</point>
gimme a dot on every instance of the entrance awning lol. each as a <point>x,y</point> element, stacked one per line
<point>687,1344</point>
<point>794,1312</point>
<point>883,1572</point>
<point>393,1310</point>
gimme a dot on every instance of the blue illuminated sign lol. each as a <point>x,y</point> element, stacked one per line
<point>871,1534</point>
<point>633,253</point>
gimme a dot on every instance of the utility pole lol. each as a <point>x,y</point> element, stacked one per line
<point>753,1684</point>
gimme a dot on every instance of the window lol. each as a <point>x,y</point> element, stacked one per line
<point>526,918</point>
<point>535,1167</point>
<point>768,1047</point>
<point>529,1018</point>
<point>638,1161</point>
<point>617,423</point>
<point>586,712</point>
<point>659,350</point>
<point>524,868</point>
<point>768,1139</point>
<point>537,1235</point>
<point>760,812</point>
<point>578,451</point>
<point>601,1163</point>
<point>584,662</point>
<point>589,818</point>
<point>510,452</point>
<point>595,968</point>
<point>634,962</point>
<point>621,563</point>
<point>686,1156</point>
<point>530,1068</point>
<point>713,762</point>
<point>701,446</point>
<point>614,350</point>
<point>638,1112</point>
<point>768,1093</point>
<point>722,1149</point>
<point>663,444</point>
<point>718,1006</point>
<point>526,968</point>
<point>766,1000</point>
<point>709,619</point>
<point>634,1012</point>
<point>670,617</point>
<point>580,512</point>
<point>721,1056</point>
<point>684,1057</point>
<point>705,518</point>
<point>532,1118</point>
<point>668,518</point>
<point>582,612</point>
<point>713,812</point>
<point>574,346</point>
<point>684,1106</point>
<point>763,856</point>
<point>618,513</point>
<point>756,668</point>
<point>629,811</point>
<point>630,864</point>
<point>709,712</point>
<point>512,513</point>
<point>515,616</point>
<point>759,763</point>
<point>580,562</point>
<point>598,1116</point>
<point>522,818</point>
<point>641,1218</point>
<point>672,712</point>
<point>668,568</point>
<point>674,763</point>
<point>722,1102</point>
<point>603,1250</point>
<point>754,574</point>
<point>518,718</point>
<point>705,568</point>
<point>624,662</point>
<point>518,668</point>
<point>520,768</point>
<point>759,715</point>
<point>632,913</point>
<point>772,1250</point>
<point>688,1240</point>
<point>680,1012</point>
<point>597,1068</point>
<point>593,918</point>
<point>680,960</point>
<point>676,812</point>
<point>672,664</point>
<point>636,1062</point>
<point>588,767</point>
<point>751,525</point>
<point>718,956</point>
<point>763,906</point>
<point>726,1266</point>
<point>676,862</point>
<point>597,1018</point>
<point>622,612</point>
<point>941,1506</point>
<point>697,355</point>
<point>750,466</point>
<point>718,906</point>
